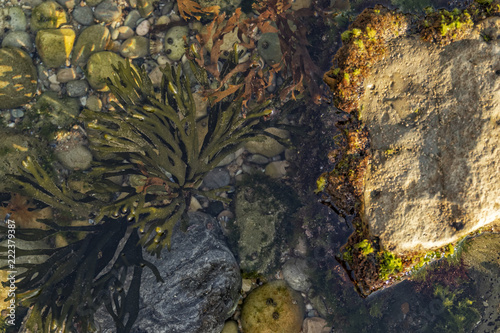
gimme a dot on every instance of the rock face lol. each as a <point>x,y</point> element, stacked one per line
<point>433,114</point>
<point>201,288</point>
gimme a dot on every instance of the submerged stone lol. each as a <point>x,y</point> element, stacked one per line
<point>273,308</point>
<point>55,45</point>
<point>48,15</point>
<point>201,284</point>
<point>18,78</point>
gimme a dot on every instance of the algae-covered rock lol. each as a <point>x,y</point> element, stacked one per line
<point>55,45</point>
<point>174,42</point>
<point>18,78</point>
<point>47,15</point>
<point>59,112</point>
<point>269,48</point>
<point>434,129</point>
<point>91,40</point>
<point>99,68</point>
<point>14,148</point>
<point>273,308</point>
<point>262,209</point>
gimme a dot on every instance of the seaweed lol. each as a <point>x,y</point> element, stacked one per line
<point>149,133</point>
<point>296,67</point>
<point>156,136</point>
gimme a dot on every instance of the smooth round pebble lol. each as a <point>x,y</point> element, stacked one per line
<point>143,28</point>
<point>66,74</point>
<point>77,88</point>
<point>94,103</point>
<point>268,147</point>
<point>83,15</point>
<point>76,158</point>
<point>258,159</point>
<point>123,32</point>
<point>17,113</point>
<point>135,47</point>
<point>107,11</point>
<point>132,18</point>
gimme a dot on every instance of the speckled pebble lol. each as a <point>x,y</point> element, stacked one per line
<point>77,88</point>
<point>83,15</point>
<point>77,158</point>
<point>107,11</point>
<point>143,28</point>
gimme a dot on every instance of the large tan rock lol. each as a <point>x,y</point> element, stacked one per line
<point>433,114</point>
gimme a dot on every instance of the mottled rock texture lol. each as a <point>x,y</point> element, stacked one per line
<point>201,288</point>
<point>433,114</point>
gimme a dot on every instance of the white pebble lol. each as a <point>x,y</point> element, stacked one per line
<point>143,28</point>
<point>162,60</point>
<point>53,79</point>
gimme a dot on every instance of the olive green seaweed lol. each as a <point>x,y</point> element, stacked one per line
<point>157,136</point>
<point>148,133</point>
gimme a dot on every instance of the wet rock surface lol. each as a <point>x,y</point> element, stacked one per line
<point>18,77</point>
<point>435,132</point>
<point>202,283</point>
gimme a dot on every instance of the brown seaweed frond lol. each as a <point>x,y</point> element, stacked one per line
<point>252,74</point>
<point>297,62</point>
<point>22,210</point>
<point>190,8</point>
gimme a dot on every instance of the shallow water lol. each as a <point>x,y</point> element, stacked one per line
<point>447,298</point>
